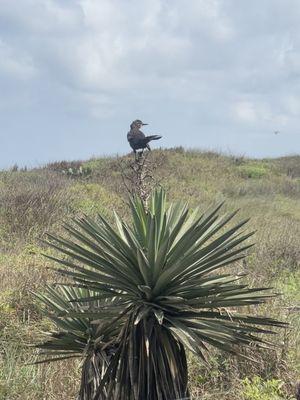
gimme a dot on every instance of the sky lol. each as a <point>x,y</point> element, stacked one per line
<point>209,74</point>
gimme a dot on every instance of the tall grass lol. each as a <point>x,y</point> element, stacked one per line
<point>31,202</point>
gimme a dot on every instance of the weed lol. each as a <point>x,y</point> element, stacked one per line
<point>258,389</point>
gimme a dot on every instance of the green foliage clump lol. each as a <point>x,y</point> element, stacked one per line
<point>253,171</point>
<point>5,306</point>
<point>94,164</point>
<point>289,284</point>
<point>259,389</point>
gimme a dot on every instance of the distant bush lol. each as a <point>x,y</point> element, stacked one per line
<point>253,171</point>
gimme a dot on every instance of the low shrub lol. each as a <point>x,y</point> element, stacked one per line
<point>254,171</point>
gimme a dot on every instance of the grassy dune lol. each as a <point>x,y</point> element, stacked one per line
<point>36,201</point>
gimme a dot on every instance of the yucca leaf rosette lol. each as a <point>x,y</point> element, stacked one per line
<point>160,282</point>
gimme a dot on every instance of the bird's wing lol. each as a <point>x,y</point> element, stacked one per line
<point>135,134</point>
<point>139,135</point>
<point>129,135</point>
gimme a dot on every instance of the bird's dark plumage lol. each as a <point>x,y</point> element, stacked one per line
<point>137,139</point>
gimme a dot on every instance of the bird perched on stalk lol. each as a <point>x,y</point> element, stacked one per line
<point>137,139</point>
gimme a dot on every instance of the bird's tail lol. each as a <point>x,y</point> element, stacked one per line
<point>153,137</point>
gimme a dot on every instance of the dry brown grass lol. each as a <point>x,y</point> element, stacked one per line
<point>31,203</point>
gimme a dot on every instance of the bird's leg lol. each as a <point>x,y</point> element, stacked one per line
<point>148,147</point>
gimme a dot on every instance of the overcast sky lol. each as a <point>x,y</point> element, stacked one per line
<point>213,74</point>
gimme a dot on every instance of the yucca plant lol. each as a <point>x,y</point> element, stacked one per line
<point>77,337</point>
<point>160,283</point>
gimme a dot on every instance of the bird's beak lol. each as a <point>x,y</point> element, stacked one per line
<point>144,124</point>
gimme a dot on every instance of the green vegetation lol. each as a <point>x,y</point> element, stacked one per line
<point>34,202</point>
<point>254,171</point>
<point>258,389</point>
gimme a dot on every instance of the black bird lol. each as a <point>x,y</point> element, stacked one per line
<point>137,139</point>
